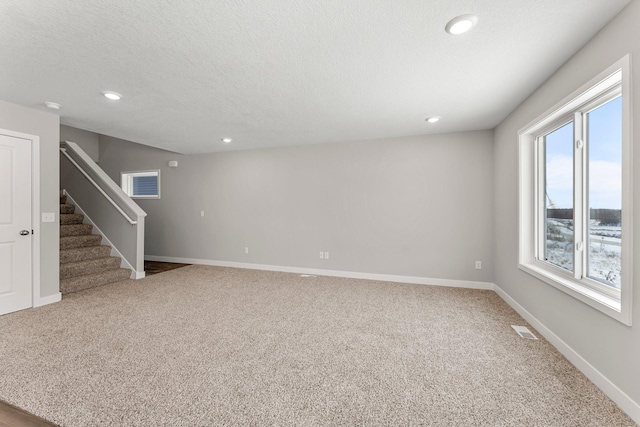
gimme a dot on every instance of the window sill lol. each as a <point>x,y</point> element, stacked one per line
<point>603,303</point>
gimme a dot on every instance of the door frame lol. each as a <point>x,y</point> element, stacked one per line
<point>36,300</point>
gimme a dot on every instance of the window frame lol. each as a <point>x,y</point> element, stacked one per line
<point>126,182</point>
<point>598,91</point>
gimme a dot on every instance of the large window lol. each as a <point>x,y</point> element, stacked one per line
<point>575,195</point>
<point>141,185</point>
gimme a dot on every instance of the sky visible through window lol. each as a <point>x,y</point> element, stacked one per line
<point>605,160</point>
<point>605,156</point>
<point>559,165</point>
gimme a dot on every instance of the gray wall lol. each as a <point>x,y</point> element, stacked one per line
<point>88,141</point>
<point>47,127</point>
<point>416,206</point>
<point>611,347</point>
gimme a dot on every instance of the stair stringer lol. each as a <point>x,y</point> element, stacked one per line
<point>105,241</point>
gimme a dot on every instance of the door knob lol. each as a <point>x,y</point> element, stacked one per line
<point>25,233</point>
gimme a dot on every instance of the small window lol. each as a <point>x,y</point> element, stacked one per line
<point>575,197</point>
<point>141,185</point>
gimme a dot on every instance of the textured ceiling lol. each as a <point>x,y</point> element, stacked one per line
<point>284,72</point>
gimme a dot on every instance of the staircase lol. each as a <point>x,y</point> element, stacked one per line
<point>84,262</point>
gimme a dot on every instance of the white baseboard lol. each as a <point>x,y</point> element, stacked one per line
<point>627,404</point>
<point>137,275</point>
<point>333,273</point>
<point>57,297</point>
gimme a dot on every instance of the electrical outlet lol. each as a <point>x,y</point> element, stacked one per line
<point>478,265</point>
<point>201,213</point>
<point>321,255</point>
<point>246,249</point>
<point>326,255</point>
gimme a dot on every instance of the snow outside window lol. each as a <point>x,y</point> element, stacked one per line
<point>575,195</point>
<point>142,184</point>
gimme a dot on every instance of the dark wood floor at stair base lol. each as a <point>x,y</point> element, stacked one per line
<point>10,416</point>
<point>155,267</point>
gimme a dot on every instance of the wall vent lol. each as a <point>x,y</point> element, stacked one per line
<point>524,332</point>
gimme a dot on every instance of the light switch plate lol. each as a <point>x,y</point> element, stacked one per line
<point>48,217</point>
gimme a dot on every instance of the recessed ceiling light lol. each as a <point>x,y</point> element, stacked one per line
<point>227,140</point>
<point>53,105</point>
<point>434,119</point>
<point>112,95</point>
<point>461,24</point>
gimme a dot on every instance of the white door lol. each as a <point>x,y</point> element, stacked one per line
<point>15,224</point>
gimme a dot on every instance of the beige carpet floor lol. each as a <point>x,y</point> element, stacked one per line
<point>207,346</point>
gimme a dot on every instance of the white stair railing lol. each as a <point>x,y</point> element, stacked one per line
<point>118,217</point>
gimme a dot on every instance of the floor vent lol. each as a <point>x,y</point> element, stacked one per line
<point>524,332</point>
<point>308,275</point>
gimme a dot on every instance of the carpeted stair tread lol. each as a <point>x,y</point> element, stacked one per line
<point>89,266</point>
<point>69,242</point>
<point>75,229</point>
<point>67,219</point>
<point>66,208</point>
<point>84,262</point>
<point>84,253</point>
<point>79,283</point>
